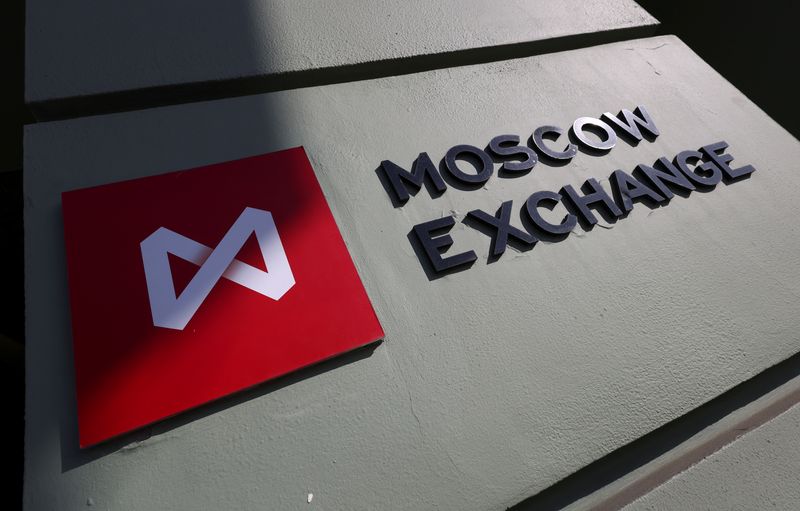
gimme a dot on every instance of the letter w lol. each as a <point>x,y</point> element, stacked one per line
<point>171,311</point>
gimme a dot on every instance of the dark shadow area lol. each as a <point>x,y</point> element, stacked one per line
<point>12,257</point>
<point>13,115</point>
<point>72,456</point>
<point>624,460</point>
<point>752,45</point>
<point>209,90</point>
<point>427,267</point>
<point>13,112</point>
<point>12,379</point>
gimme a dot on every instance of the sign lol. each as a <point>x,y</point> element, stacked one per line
<point>188,286</point>
<point>653,185</point>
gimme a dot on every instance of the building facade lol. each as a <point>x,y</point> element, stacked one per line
<point>573,232</point>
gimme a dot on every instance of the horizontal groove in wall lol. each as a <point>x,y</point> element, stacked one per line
<point>647,448</point>
<point>151,97</point>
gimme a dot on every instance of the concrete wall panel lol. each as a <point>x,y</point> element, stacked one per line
<point>758,471</point>
<point>84,47</point>
<point>493,383</point>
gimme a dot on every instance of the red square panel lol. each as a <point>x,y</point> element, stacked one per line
<point>188,286</point>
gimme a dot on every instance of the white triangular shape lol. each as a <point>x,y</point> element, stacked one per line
<point>171,311</point>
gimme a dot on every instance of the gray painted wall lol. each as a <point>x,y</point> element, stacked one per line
<point>86,47</point>
<point>758,471</point>
<point>492,383</point>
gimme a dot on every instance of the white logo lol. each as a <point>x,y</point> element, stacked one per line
<point>171,311</point>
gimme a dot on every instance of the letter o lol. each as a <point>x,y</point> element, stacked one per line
<point>604,145</point>
<point>484,169</point>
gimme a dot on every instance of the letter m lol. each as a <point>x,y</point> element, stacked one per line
<point>399,177</point>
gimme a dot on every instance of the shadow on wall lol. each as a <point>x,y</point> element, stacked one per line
<point>53,354</point>
<point>752,45</point>
<point>13,115</point>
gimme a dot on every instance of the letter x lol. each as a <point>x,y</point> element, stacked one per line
<point>501,223</point>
